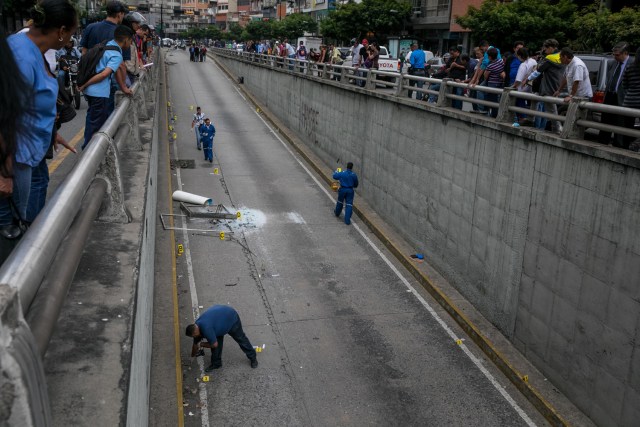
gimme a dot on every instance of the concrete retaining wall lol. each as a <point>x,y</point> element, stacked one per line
<point>541,235</point>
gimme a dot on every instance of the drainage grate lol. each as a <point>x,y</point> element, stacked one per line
<point>183,164</point>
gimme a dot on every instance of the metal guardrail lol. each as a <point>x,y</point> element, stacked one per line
<point>35,278</point>
<point>578,117</point>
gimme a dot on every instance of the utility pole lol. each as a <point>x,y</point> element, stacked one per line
<point>162,18</point>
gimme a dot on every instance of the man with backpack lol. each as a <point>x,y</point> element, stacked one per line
<point>97,88</point>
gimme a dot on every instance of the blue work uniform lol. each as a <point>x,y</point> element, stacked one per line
<point>206,137</point>
<point>219,321</point>
<point>348,181</point>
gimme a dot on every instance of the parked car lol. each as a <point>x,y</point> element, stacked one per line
<point>435,65</point>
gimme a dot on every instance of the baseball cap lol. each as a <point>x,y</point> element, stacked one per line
<point>365,42</point>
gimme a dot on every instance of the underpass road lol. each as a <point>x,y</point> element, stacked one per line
<point>346,342</point>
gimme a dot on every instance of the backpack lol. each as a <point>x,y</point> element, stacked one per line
<point>90,60</point>
<point>302,51</point>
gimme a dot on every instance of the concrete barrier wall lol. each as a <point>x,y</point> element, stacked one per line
<point>541,235</point>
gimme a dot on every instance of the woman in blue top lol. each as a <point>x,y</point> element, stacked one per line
<point>54,22</point>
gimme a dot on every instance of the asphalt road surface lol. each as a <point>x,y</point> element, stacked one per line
<point>348,338</point>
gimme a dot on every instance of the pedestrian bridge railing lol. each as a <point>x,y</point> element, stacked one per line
<point>576,116</point>
<point>35,278</point>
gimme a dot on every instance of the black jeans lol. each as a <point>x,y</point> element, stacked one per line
<point>238,335</point>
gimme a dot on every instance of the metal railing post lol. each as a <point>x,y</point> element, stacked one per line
<point>506,101</point>
<point>445,89</point>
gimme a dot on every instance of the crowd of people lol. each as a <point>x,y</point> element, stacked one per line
<point>197,53</point>
<point>549,71</point>
<point>34,105</point>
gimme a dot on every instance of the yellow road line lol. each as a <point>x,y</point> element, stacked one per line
<point>174,276</point>
<point>55,163</point>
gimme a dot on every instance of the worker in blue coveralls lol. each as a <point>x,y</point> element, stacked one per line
<point>207,132</point>
<point>213,325</point>
<point>348,181</point>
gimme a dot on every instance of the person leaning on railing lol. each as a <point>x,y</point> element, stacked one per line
<point>631,85</point>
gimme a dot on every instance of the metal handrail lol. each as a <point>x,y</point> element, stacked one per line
<point>575,122</point>
<point>29,262</point>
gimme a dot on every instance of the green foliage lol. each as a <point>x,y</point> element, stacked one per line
<point>211,32</point>
<point>295,25</point>
<point>258,30</point>
<point>598,29</point>
<point>380,17</point>
<point>532,21</point>
<point>234,32</point>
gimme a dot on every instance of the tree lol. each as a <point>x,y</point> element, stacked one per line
<point>234,32</point>
<point>598,29</point>
<point>380,17</point>
<point>531,21</point>
<point>295,25</point>
<point>258,30</point>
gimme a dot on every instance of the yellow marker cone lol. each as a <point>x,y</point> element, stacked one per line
<point>215,171</point>
<point>205,379</point>
<point>459,342</point>
<point>259,350</point>
<point>238,214</point>
<point>180,249</point>
<point>170,127</point>
<point>257,110</point>
<point>525,378</point>
<point>191,107</point>
<point>339,169</point>
<point>222,235</point>
<point>175,118</point>
<point>175,135</point>
<point>168,104</point>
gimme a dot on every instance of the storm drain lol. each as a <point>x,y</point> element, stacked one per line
<point>183,164</point>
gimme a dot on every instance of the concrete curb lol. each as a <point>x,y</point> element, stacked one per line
<point>140,374</point>
<point>375,225</point>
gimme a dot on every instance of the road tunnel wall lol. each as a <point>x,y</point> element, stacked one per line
<point>540,234</point>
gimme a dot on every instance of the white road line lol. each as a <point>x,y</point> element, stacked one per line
<point>430,309</point>
<point>204,401</point>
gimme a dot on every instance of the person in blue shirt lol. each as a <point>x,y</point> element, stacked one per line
<point>54,22</point>
<point>416,68</point>
<point>207,132</point>
<point>98,89</point>
<point>348,181</point>
<point>103,31</point>
<point>213,325</point>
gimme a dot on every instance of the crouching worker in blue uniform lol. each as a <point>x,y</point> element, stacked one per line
<point>348,181</point>
<point>213,325</point>
<point>207,132</point>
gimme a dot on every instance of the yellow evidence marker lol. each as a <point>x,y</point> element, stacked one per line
<point>339,169</point>
<point>205,378</point>
<point>170,127</point>
<point>459,342</point>
<point>525,378</point>
<point>216,171</point>
<point>168,104</point>
<point>238,214</point>
<point>222,235</point>
<point>191,107</point>
<point>175,135</point>
<point>180,249</point>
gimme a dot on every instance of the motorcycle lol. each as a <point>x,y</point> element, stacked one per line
<point>71,78</point>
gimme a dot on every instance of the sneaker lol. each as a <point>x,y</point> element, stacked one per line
<point>254,363</point>
<point>212,367</point>
<point>199,148</point>
<point>210,160</point>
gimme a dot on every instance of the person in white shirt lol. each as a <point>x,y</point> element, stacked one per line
<point>198,119</point>
<point>576,74</point>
